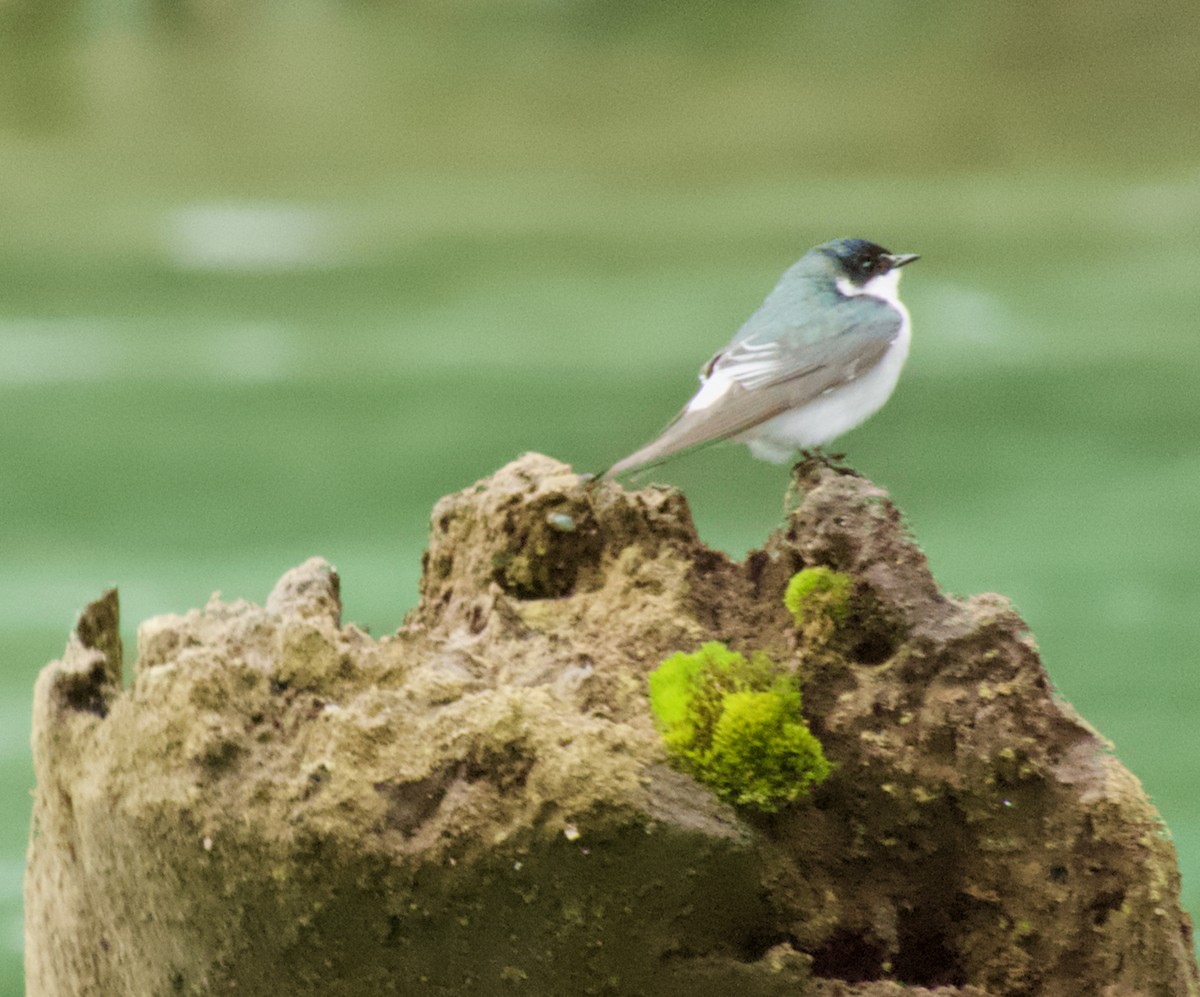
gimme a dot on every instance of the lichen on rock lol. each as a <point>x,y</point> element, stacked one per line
<point>480,803</point>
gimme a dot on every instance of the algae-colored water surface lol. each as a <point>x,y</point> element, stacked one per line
<point>275,277</point>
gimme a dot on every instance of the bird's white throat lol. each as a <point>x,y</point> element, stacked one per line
<point>885,287</point>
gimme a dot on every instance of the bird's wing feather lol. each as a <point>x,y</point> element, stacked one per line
<point>768,377</point>
<point>851,340</point>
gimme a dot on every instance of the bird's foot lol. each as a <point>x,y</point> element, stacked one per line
<point>812,459</point>
<point>808,463</point>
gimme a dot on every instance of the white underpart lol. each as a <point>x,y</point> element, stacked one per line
<point>840,409</point>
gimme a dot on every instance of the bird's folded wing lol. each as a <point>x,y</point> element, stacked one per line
<point>764,380</point>
<point>760,362</point>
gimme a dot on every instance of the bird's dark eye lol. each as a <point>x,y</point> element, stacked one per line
<point>866,266</point>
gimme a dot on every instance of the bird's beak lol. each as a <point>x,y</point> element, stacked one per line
<point>901,259</point>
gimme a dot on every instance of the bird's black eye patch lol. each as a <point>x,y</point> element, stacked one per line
<point>867,261</point>
<point>859,260</point>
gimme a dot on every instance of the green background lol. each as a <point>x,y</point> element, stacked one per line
<point>276,276</point>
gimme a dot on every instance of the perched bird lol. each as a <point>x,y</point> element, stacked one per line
<point>821,354</point>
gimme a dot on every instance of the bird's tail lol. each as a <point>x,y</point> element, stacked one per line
<point>642,459</point>
<point>673,440</point>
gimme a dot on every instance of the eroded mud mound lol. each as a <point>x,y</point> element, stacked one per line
<point>280,803</point>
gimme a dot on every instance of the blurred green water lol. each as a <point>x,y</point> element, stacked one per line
<point>273,279</point>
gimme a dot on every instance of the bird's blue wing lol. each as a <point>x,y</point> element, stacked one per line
<point>852,339</point>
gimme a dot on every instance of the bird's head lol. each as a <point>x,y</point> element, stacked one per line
<point>857,266</point>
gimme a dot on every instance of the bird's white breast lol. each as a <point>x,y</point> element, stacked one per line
<point>835,412</point>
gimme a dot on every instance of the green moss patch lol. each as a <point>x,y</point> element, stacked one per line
<point>736,725</point>
<point>819,598</point>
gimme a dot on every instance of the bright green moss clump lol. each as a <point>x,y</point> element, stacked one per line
<point>736,725</point>
<point>819,598</point>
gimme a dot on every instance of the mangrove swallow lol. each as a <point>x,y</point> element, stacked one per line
<point>821,354</point>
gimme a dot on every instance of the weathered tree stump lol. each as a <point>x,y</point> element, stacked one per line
<point>281,804</point>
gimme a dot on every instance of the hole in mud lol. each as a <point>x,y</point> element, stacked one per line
<point>551,541</point>
<point>849,956</point>
<point>874,649</point>
<point>87,697</point>
<point>925,956</point>
<point>477,619</point>
<point>85,692</point>
<point>410,804</point>
<point>757,942</point>
<point>874,631</point>
<point>1104,905</point>
<point>507,768</point>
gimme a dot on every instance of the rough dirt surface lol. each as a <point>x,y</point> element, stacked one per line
<point>281,804</point>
